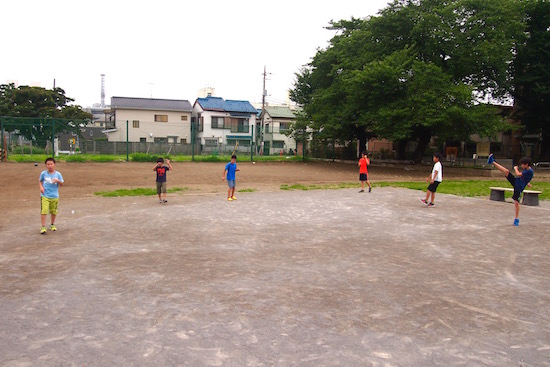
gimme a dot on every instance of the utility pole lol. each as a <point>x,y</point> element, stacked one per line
<point>262,132</point>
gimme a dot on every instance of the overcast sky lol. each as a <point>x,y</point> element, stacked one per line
<point>166,49</point>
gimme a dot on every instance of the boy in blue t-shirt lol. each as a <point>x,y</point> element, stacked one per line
<point>519,182</point>
<point>49,183</point>
<point>230,169</point>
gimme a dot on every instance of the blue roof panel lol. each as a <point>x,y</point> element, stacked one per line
<point>218,104</point>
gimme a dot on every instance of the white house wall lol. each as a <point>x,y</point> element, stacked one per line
<point>149,128</point>
<point>275,125</point>
<point>210,133</point>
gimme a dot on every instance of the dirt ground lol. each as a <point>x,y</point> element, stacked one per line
<point>19,181</point>
<point>276,278</point>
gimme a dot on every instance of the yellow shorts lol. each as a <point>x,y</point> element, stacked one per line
<point>49,206</point>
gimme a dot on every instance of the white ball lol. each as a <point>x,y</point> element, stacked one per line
<point>72,211</point>
<point>253,162</point>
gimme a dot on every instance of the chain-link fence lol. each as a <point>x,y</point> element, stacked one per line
<point>38,134</point>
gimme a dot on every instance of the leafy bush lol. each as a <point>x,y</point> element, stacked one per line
<point>26,149</point>
<point>75,158</point>
<point>105,158</point>
<point>145,157</point>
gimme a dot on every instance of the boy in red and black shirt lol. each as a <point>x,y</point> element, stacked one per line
<point>161,170</point>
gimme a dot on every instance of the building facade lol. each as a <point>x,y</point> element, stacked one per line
<point>224,125</point>
<point>277,121</point>
<point>149,120</point>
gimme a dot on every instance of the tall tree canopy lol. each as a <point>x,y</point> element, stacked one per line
<point>41,104</point>
<point>416,70</point>
<point>532,75</point>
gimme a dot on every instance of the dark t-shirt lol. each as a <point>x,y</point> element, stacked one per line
<point>161,173</point>
<point>525,178</point>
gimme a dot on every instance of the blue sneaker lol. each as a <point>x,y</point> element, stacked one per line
<point>491,159</point>
<point>516,222</point>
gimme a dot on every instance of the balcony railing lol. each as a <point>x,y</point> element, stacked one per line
<point>240,129</point>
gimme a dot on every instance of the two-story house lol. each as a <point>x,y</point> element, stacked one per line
<point>276,121</point>
<point>150,120</point>
<point>223,125</point>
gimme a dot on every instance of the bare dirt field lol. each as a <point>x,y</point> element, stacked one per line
<point>276,278</point>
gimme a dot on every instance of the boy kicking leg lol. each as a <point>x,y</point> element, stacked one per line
<point>518,183</point>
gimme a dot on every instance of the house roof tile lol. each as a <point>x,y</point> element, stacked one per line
<point>280,112</point>
<point>151,104</point>
<point>219,104</point>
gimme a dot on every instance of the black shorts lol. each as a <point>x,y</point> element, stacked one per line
<point>363,177</point>
<point>433,186</point>
<point>517,190</point>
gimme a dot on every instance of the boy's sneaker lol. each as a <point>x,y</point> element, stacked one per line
<point>491,159</point>
<point>229,199</point>
<point>516,222</point>
<point>234,198</point>
<point>165,201</point>
<point>370,189</point>
<point>160,201</point>
<point>430,205</point>
<point>53,228</point>
<point>361,190</point>
<point>424,202</point>
<point>43,230</point>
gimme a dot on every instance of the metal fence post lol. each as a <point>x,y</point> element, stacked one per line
<point>127,147</point>
<point>252,145</point>
<point>192,141</point>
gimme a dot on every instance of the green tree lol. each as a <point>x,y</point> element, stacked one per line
<point>532,75</point>
<point>413,72</point>
<point>44,106</point>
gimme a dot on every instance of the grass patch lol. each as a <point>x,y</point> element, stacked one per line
<point>141,191</point>
<point>79,158</point>
<point>246,190</point>
<point>25,158</point>
<point>468,188</point>
<point>145,157</point>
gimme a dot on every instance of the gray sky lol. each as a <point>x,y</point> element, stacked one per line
<point>167,49</point>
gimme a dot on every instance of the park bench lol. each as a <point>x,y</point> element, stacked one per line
<point>530,197</point>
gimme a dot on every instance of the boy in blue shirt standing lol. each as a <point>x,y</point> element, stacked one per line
<point>519,182</point>
<point>49,183</point>
<point>230,169</point>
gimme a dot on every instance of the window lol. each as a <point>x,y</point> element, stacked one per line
<point>183,117</point>
<point>242,142</point>
<point>183,141</point>
<point>161,140</point>
<point>143,140</point>
<point>135,124</point>
<point>161,118</point>
<point>283,126</point>
<point>278,144</point>
<point>239,125</point>
<point>217,122</point>
<point>211,142</point>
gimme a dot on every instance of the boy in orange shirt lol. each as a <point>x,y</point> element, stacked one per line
<point>364,161</point>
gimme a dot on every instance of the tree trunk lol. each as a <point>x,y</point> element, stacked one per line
<point>423,141</point>
<point>401,147</point>
<point>362,136</point>
<point>545,148</point>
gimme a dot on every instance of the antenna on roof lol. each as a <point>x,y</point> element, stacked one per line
<point>102,104</point>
